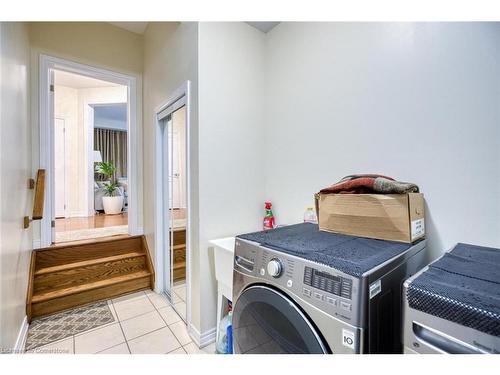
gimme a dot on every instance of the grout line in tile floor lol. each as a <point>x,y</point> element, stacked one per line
<point>166,324</point>
<point>171,305</point>
<point>182,300</point>
<point>147,333</point>
<point>114,346</point>
<point>121,328</point>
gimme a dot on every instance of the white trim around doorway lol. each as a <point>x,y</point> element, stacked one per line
<point>162,246</point>
<point>47,64</point>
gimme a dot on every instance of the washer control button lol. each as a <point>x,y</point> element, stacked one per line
<point>275,267</point>
<point>262,271</point>
<point>318,296</point>
<point>332,301</point>
<point>307,292</point>
<point>346,306</point>
<point>289,283</point>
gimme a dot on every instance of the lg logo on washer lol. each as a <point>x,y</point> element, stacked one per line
<point>348,339</point>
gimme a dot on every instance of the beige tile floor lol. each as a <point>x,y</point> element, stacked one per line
<point>179,298</point>
<point>145,323</point>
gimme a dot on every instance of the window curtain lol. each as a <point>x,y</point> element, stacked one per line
<point>113,147</point>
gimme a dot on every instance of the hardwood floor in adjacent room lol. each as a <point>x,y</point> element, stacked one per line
<point>101,225</point>
<point>97,221</point>
<point>101,221</point>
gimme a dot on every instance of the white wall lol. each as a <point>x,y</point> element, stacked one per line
<point>15,170</point>
<point>419,102</point>
<point>170,59</point>
<point>225,63</point>
<point>231,161</point>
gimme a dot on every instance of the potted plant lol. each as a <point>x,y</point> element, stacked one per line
<point>112,201</point>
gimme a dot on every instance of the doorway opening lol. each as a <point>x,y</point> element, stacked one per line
<point>90,140</point>
<point>172,202</point>
<point>88,147</point>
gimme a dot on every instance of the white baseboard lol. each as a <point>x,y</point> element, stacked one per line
<point>21,337</point>
<point>202,339</point>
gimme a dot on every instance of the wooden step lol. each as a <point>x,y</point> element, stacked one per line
<point>73,276</point>
<point>61,255</point>
<point>86,263</point>
<point>118,287</point>
<point>179,236</point>
<point>87,287</point>
<point>179,265</point>
<point>179,271</point>
<point>63,277</point>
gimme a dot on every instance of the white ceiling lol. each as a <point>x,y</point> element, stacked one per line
<point>265,27</point>
<point>135,27</point>
<point>77,81</point>
<point>140,27</point>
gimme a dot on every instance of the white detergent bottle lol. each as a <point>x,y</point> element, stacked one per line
<point>310,216</point>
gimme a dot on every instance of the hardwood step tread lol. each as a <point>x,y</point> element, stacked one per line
<point>91,241</point>
<point>90,262</point>
<point>85,287</point>
<point>178,265</point>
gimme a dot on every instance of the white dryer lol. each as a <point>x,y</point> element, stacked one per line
<point>453,305</point>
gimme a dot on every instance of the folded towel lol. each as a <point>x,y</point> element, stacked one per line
<point>370,184</point>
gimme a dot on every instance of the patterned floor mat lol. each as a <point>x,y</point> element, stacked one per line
<point>43,331</point>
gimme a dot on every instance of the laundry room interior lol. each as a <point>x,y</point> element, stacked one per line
<point>251,188</point>
<point>380,132</point>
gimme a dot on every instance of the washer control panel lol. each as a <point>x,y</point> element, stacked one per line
<point>324,287</point>
<point>337,285</point>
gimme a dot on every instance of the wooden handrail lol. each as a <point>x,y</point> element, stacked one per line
<point>39,198</point>
<point>39,195</point>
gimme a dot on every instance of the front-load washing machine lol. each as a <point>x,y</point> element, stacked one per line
<point>300,290</point>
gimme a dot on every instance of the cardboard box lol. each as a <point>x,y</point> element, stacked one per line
<point>395,217</point>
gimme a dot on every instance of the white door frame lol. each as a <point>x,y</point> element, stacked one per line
<point>46,104</point>
<point>162,247</point>
<point>88,123</point>
<point>66,186</point>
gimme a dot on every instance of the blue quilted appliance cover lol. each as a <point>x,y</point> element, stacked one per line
<point>463,286</point>
<point>351,255</point>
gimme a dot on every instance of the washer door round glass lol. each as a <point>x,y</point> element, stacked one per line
<point>267,321</point>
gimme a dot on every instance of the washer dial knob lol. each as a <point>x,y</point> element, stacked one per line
<point>274,267</point>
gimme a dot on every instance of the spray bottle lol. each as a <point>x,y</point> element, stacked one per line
<point>269,217</point>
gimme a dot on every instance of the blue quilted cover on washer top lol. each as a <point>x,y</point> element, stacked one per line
<point>349,254</point>
<point>463,286</point>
